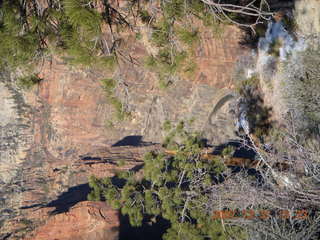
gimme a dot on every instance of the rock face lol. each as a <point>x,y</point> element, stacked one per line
<point>86,220</point>
<point>307,14</point>
<point>192,98</point>
<point>15,139</point>
<point>55,136</point>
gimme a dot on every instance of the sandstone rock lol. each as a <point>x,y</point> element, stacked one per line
<point>307,14</point>
<point>86,220</point>
<point>69,140</point>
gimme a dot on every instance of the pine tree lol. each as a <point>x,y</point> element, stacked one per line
<point>173,187</point>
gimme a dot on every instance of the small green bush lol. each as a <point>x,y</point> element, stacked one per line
<point>275,48</point>
<point>248,83</point>
<point>28,82</point>
<point>188,37</point>
<point>228,151</point>
<point>164,83</point>
<point>161,33</point>
<point>109,86</point>
<point>174,9</point>
<point>144,16</point>
<point>167,126</point>
<point>86,20</point>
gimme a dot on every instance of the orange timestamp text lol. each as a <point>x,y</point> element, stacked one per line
<point>261,214</point>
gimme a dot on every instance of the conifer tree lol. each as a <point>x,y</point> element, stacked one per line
<point>173,187</point>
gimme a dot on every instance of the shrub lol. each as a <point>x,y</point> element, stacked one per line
<point>188,37</point>
<point>164,83</point>
<point>167,126</point>
<point>167,64</point>
<point>190,67</point>
<point>109,86</point>
<point>275,46</point>
<point>173,9</point>
<point>242,85</point>
<point>144,16</point>
<point>17,47</point>
<point>161,33</point>
<point>228,151</point>
<point>86,20</point>
<point>28,82</point>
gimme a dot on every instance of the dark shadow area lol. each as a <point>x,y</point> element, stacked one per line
<point>5,236</point>
<point>241,151</point>
<point>250,39</point>
<point>78,194</point>
<point>31,206</point>
<point>70,198</point>
<point>149,229</point>
<point>258,114</point>
<point>135,141</point>
<point>205,143</point>
<point>137,168</point>
<point>113,159</point>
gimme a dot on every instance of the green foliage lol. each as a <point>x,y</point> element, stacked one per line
<point>144,16</point>
<point>275,48</point>
<point>173,9</point>
<point>108,62</point>
<point>121,163</point>
<point>161,33</point>
<point>173,187</point>
<point>28,82</point>
<point>290,23</point>
<point>167,126</point>
<point>166,64</point>
<point>197,7</point>
<point>95,194</point>
<point>150,62</point>
<point>188,37</point>
<point>86,20</point>
<point>242,85</point>
<point>138,36</point>
<point>228,151</point>
<point>16,45</point>
<point>70,28</point>
<point>109,86</point>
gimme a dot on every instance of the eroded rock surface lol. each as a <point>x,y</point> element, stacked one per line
<point>15,140</point>
<point>66,117</point>
<point>86,220</point>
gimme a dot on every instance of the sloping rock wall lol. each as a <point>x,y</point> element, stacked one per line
<point>62,124</point>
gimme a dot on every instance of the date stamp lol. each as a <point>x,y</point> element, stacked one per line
<point>260,214</point>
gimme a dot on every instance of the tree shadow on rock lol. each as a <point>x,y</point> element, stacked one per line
<point>135,141</point>
<point>150,229</point>
<point>70,198</point>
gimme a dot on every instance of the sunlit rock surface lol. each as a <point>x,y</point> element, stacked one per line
<point>84,221</point>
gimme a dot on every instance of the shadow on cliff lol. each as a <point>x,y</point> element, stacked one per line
<point>241,152</point>
<point>148,230</point>
<point>70,198</point>
<point>134,141</point>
